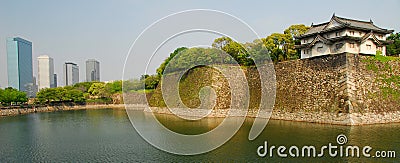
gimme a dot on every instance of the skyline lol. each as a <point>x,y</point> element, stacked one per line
<point>67,31</point>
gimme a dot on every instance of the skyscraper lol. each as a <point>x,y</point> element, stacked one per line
<point>71,73</point>
<point>55,80</point>
<point>92,70</point>
<point>45,72</point>
<point>19,64</point>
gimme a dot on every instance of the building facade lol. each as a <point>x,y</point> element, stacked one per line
<point>19,64</point>
<point>71,73</point>
<point>55,80</point>
<point>341,35</point>
<point>92,70</point>
<point>45,72</point>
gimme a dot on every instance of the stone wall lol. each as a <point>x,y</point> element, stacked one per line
<point>33,109</point>
<point>349,89</point>
<point>312,85</point>
<point>346,89</point>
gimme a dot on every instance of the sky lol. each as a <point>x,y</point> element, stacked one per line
<point>104,30</point>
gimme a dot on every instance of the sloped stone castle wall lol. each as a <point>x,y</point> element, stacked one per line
<point>345,89</point>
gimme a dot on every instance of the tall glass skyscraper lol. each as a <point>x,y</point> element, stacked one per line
<point>92,70</point>
<point>71,73</point>
<point>19,65</point>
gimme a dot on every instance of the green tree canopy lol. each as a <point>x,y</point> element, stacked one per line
<point>234,49</point>
<point>394,48</point>
<point>60,94</point>
<point>160,70</point>
<point>1,95</point>
<point>296,30</point>
<point>281,46</point>
<point>84,86</point>
<point>114,87</point>
<point>12,95</point>
<point>98,89</point>
<point>151,82</point>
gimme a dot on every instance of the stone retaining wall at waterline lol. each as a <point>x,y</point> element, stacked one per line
<point>20,111</point>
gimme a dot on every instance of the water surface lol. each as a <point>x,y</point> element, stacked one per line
<point>107,135</point>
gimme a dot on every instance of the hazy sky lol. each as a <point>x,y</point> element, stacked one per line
<point>77,30</point>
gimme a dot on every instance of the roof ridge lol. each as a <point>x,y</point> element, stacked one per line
<point>321,24</point>
<point>354,20</point>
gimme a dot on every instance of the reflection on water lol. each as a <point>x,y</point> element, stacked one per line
<point>188,127</point>
<point>107,135</point>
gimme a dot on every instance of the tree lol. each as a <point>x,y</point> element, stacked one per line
<point>151,82</point>
<point>1,95</point>
<point>234,49</point>
<point>84,86</point>
<point>394,48</point>
<point>114,87</point>
<point>160,70</point>
<point>75,96</point>
<point>11,95</point>
<point>60,94</point>
<point>296,30</point>
<point>281,46</point>
<point>98,90</point>
<point>258,51</point>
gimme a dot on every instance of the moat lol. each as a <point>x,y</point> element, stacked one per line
<point>106,135</point>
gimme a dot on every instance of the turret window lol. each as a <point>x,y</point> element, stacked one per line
<point>319,49</point>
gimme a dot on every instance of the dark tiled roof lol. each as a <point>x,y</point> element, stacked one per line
<point>359,24</point>
<point>316,28</point>
<point>344,23</point>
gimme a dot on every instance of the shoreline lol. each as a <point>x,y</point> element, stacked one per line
<point>344,119</point>
<point>41,109</point>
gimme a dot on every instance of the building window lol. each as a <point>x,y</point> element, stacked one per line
<point>360,33</point>
<point>351,45</point>
<point>327,35</point>
<point>338,46</point>
<point>337,33</point>
<point>380,48</point>
<point>319,49</point>
<point>369,47</point>
<point>380,36</point>
<point>352,33</point>
<point>307,51</point>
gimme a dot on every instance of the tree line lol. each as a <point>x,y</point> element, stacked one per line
<point>11,96</point>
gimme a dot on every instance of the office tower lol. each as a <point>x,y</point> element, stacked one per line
<point>32,88</point>
<point>19,64</point>
<point>45,72</point>
<point>71,73</point>
<point>55,81</point>
<point>92,70</point>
